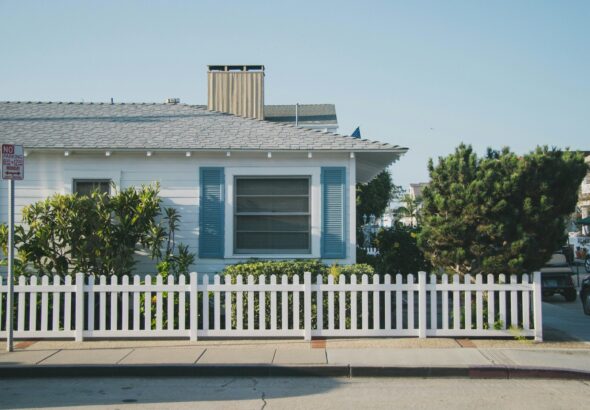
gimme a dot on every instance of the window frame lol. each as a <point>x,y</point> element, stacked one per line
<point>76,181</point>
<point>308,214</point>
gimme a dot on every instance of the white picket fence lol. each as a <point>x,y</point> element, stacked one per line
<point>268,307</point>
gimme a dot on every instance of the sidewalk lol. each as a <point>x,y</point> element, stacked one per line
<point>333,358</point>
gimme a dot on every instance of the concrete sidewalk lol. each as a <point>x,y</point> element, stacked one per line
<point>335,358</point>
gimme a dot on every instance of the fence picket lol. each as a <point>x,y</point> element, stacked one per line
<point>387,294</point>
<point>56,302</point>
<point>205,308</point>
<point>44,303</point>
<point>159,300</point>
<point>445,303</point>
<point>502,303</point>
<point>227,298</point>
<point>479,303</point>
<point>513,303</point>
<point>433,303</point>
<point>90,313</point>
<point>136,307</point>
<point>456,304</point>
<point>296,297</point>
<point>262,304</point>
<point>216,304</point>
<point>399,323</point>
<point>410,302</point>
<point>102,304</point>
<point>467,281</point>
<point>342,304</point>
<point>526,304</point>
<point>330,304</point>
<point>68,305</point>
<point>284,305</point>
<point>239,304</point>
<point>491,303</point>
<point>319,303</point>
<point>147,315</point>
<point>250,304</point>
<point>376,305</point>
<point>125,305</point>
<point>182,303</point>
<point>33,304</point>
<point>273,304</point>
<point>114,315</point>
<point>353,300</point>
<point>365,304</point>
<point>22,281</point>
<point>170,308</point>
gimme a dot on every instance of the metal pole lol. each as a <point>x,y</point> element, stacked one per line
<point>297,115</point>
<point>9,296</point>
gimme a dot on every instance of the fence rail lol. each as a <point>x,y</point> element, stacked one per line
<point>421,306</point>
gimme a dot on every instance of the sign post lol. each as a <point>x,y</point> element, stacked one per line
<point>13,168</point>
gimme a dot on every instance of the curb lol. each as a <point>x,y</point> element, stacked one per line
<point>476,372</point>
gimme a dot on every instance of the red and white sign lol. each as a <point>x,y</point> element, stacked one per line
<point>13,161</point>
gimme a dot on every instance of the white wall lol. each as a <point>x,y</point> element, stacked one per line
<point>178,175</point>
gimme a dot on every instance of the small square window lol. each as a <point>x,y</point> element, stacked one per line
<point>88,186</point>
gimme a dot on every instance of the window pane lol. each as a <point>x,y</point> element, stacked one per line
<point>273,223</point>
<point>272,242</point>
<point>86,187</point>
<point>273,204</point>
<point>273,186</point>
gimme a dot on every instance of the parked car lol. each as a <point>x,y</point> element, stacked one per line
<point>556,278</point>
<point>585,295</point>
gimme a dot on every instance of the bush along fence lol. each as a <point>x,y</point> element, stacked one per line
<point>194,307</point>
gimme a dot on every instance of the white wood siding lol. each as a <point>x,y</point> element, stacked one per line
<point>178,175</point>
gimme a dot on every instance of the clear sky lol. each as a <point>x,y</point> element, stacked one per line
<point>422,74</point>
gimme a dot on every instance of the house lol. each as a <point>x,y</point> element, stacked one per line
<point>244,187</point>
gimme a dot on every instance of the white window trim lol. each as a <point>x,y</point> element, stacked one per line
<point>72,174</point>
<point>314,174</point>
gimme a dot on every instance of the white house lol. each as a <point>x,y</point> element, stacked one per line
<point>244,187</point>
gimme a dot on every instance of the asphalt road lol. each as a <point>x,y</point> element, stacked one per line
<point>301,393</point>
<point>565,320</point>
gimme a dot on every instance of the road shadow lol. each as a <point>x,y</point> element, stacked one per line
<point>68,392</point>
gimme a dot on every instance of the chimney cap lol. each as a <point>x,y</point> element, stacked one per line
<point>235,67</point>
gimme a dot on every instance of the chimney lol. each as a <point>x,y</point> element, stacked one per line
<point>236,89</point>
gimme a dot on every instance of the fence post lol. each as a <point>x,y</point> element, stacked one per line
<point>422,305</point>
<point>307,305</point>
<point>79,323</point>
<point>538,306</point>
<point>194,302</point>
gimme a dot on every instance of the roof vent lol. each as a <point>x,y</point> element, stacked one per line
<point>172,100</point>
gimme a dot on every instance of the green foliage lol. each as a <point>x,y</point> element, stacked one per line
<point>399,251</point>
<point>502,213</point>
<point>289,268</point>
<point>373,197</point>
<point>409,209</point>
<point>97,234</point>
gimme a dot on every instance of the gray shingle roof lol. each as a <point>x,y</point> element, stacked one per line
<point>159,126</point>
<point>307,114</point>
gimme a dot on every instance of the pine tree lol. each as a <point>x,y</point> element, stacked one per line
<point>501,213</point>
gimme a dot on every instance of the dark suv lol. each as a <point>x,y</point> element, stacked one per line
<point>556,278</point>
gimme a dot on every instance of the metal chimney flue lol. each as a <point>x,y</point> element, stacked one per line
<point>236,89</point>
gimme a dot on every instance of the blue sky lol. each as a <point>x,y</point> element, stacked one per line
<point>422,74</point>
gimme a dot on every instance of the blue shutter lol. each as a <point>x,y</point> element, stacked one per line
<point>211,213</point>
<point>334,218</point>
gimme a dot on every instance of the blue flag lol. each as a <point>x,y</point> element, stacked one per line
<point>356,133</point>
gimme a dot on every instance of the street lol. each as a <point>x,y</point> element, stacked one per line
<point>299,393</point>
